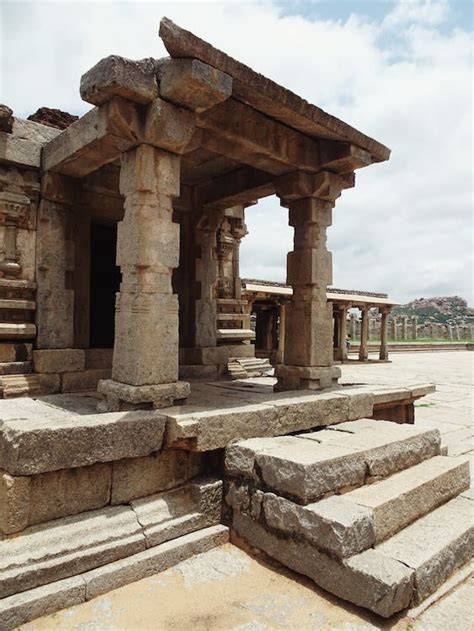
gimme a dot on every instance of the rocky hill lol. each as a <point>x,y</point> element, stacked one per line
<point>443,309</point>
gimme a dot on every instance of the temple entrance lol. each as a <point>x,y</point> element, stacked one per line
<point>104,284</point>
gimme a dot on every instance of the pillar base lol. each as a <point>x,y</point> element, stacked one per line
<point>306,377</point>
<point>122,396</point>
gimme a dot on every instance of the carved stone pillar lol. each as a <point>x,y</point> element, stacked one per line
<point>281,334</point>
<point>415,327</point>
<point>383,354</point>
<point>145,362</point>
<point>353,327</point>
<point>13,207</point>
<point>309,328</point>
<point>55,262</point>
<point>364,335</point>
<point>341,353</point>
<point>394,328</point>
<point>404,328</point>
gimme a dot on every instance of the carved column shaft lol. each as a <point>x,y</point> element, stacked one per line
<point>364,336</point>
<point>342,347</point>
<point>383,355</point>
<point>145,363</point>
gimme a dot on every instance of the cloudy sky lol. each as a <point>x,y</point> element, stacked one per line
<point>399,70</point>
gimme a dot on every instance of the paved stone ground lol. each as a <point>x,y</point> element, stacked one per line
<point>226,589</point>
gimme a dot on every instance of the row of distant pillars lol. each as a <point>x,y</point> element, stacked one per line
<point>404,328</point>
<point>360,329</point>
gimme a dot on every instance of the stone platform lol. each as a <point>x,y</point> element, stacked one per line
<point>117,485</point>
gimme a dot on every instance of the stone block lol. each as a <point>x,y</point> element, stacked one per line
<point>153,560</point>
<point>305,470</point>
<point>159,395</point>
<point>138,477</point>
<point>36,446</point>
<point>368,579</point>
<point>68,492</point>
<point>98,358</point>
<point>179,511</point>
<point>20,151</point>
<point>56,550</point>
<point>59,360</point>
<point>84,380</point>
<point>11,352</point>
<point>435,545</point>
<point>118,76</point>
<point>402,498</point>
<point>168,126</point>
<point>14,502</point>
<point>21,608</point>
<point>333,524</point>
<point>194,84</point>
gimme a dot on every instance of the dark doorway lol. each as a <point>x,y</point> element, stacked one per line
<point>105,283</point>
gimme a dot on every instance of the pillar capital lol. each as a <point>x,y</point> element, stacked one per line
<point>323,185</point>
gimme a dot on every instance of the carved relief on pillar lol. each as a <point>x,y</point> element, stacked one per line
<point>16,213</point>
<point>229,235</point>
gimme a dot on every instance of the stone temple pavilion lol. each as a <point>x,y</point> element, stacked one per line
<point>120,297</point>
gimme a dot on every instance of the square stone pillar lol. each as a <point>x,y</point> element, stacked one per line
<point>383,355</point>
<point>145,361</point>
<point>308,354</point>
<point>364,335</point>
<point>341,353</point>
<point>415,327</point>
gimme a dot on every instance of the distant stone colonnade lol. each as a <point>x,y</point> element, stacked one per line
<point>405,328</point>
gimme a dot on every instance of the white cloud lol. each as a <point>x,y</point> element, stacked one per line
<point>431,12</point>
<point>405,228</point>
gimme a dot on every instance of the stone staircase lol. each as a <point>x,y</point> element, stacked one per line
<point>69,560</point>
<point>245,367</point>
<point>367,509</point>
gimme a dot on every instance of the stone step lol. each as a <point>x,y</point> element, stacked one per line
<point>434,546</point>
<point>404,497</point>
<point>235,334</point>
<point>26,606</point>
<point>13,331</point>
<point>344,525</point>
<point>68,546</point>
<point>397,574</point>
<point>22,385</point>
<point>15,368</point>
<point>309,466</point>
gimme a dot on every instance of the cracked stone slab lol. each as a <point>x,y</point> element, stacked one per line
<point>174,513</point>
<point>435,545</point>
<point>64,547</point>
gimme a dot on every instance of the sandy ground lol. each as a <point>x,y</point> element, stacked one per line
<point>228,589</point>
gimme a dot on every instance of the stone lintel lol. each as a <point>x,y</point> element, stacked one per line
<point>240,186</point>
<point>104,133</point>
<point>61,189</point>
<point>19,151</point>
<point>194,84</point>
<point>118,76</point>
<point>323,185</point>
<point>242,133</point>
<point>122,396</point>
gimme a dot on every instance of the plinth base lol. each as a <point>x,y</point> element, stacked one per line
<point>122,396</point>
<point>306,377</point>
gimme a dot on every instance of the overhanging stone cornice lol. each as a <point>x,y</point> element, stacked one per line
<point>266,95</point>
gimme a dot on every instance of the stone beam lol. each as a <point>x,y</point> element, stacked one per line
<point>98,138</point>
<point>246,135</point>
<point>193,84</point>
<point>240,186</point>
<point>266,95</point>
<point>104,133</point>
